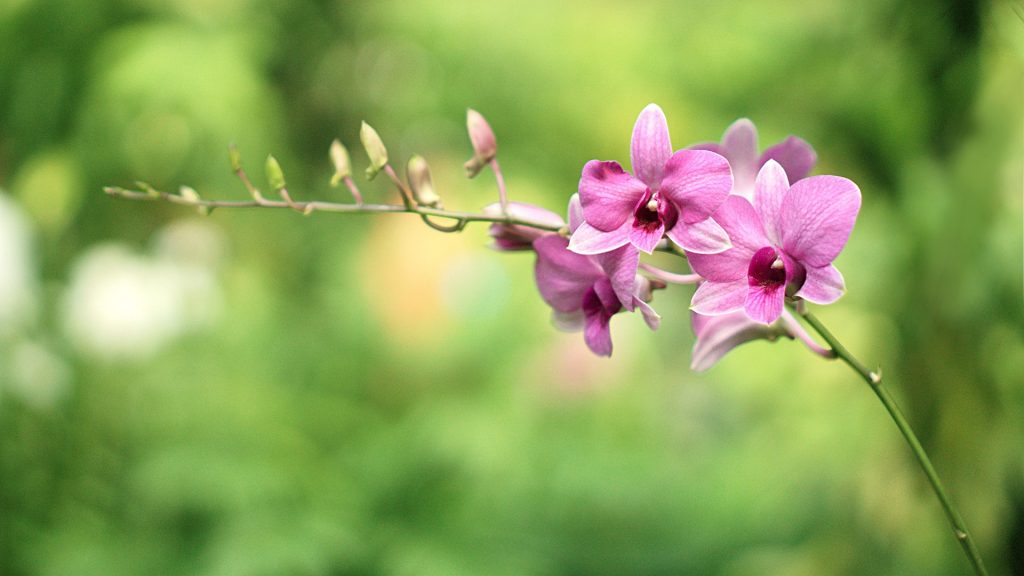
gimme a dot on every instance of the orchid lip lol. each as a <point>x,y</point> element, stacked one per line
<point>654,210</point>
<point>767,268</point>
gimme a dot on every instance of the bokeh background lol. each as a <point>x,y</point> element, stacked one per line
<point>259,393</point>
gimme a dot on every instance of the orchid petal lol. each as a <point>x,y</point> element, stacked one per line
<point>816,218</point>
<point>796,156</point>
<point>741,222</point>
<point>764,303</point>
<point>597,334</point>
<point>727,266</point>
<point>589,240</point>
<point>608,194</point>
<point>704,237</point>
<point>568,321</point>
<point>739,146</point>
<point>739,219</point>
<point>606,295</point>
<point>822,285</point>
<point>709,146</point>
<point>651,317</point>
<point>563,277</point>
<point>620,266</point>
<point>717,335</point>
<point>769,190</point>
<point>697,182</point>
<point>575,212</point>
<point>651,146</point>
<point>646,237</point>
<point>714,298</point>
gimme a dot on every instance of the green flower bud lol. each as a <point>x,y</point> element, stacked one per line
<point>236,158</point>
<point>418,173</point>
<point>375,149</point>
<point>342,164</point>
<point>275,176</point>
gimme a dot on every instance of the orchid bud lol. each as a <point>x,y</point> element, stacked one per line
<point>275,176</point>
<point>235,157</point>
<point>485,146</point>
<point>188,193</point>
<point>375,149</point>
<point>418,173</point>
<point>340,159</point>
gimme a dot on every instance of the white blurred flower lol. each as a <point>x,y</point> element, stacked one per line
<point>18,283</point>
<point>121,305</point>
<point>38,376</point>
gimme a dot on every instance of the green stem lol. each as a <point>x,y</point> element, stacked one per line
<point>874,380</point>
<point>308,207</point>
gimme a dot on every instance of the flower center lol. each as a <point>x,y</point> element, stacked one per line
<point>766,268</point>
<point>653,211</point>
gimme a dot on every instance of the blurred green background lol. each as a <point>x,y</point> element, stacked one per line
<point>258,393</point>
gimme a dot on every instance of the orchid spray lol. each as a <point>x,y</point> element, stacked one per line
<point>758,233</point>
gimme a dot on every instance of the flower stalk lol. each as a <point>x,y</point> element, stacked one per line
<point>461,218</point>
<point>874,380</point>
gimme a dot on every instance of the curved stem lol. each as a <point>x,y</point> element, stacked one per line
<point>797,331</point>
<point>307,207</point>
<point>874,380</point>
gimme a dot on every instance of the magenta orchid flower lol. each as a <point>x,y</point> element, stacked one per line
<point>787,238</point>
<point>739,146</point>
<point>671,194</point>
<point>581,293</point>
<point>584,291</point>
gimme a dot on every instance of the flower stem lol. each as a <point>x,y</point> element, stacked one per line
<point>307,207</point>
<point>500,179</point>
<point>670,277</point>
<point>874,380</point>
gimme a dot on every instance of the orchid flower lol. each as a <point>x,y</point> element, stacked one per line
<point>581,292</point>
<point>668,193</point>
<point>739,146</point>
<point>786,239</point>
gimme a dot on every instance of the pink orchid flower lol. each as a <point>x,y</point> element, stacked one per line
<point>584,292</point>
<point>581,294</point>
<point>669,193</point>
<point>739,146</point>
<point>787,238</point>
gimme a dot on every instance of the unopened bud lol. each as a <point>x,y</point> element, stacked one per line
<point>275,176</point>
<point>188,193</point>
<point>421,183</point>
<point>340,159</point>
<point>375,149</point>
<point>236,158</point>
<point>485,146</point>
